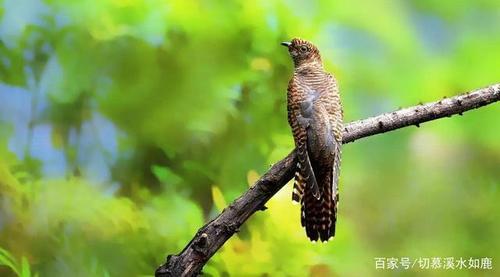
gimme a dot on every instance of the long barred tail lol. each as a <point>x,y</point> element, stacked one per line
<point>319,216</point>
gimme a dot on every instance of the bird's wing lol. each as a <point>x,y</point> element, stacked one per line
<point>299,117</point>
<point>330,99</point>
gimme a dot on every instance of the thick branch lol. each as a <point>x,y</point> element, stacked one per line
<point>215,233</point>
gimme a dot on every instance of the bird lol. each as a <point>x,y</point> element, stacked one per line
<point>315,116</point>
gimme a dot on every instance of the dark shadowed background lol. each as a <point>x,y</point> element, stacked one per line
<point>125,125</point>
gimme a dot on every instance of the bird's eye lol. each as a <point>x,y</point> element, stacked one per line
<point>303,48</point>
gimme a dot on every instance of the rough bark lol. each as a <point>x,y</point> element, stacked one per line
<point>215,233</point>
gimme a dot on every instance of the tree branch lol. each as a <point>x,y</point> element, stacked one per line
<point>215,233</point>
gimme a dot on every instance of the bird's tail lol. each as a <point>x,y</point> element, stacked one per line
<point>319,216</point>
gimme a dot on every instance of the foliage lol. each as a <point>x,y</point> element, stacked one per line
<point>6,259</point>
<point>125,124</point>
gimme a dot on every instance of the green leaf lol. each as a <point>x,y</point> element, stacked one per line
<point>165,175</point>
<point>8,260</point>
<point>26,272</point>
<point>219,201</point>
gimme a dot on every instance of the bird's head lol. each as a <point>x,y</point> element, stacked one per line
<point>302,52</point>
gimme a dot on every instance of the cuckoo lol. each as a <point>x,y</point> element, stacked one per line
<point>315,116</point>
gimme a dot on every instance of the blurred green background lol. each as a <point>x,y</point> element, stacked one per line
<point>126,125</point>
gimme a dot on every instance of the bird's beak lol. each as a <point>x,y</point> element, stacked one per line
<point>286,43</point>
